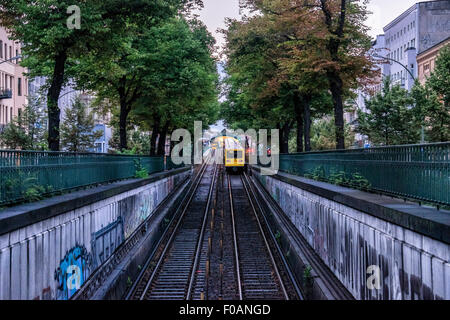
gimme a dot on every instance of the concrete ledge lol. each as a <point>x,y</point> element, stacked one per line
<point>23,215</point>
<point>424,220</point>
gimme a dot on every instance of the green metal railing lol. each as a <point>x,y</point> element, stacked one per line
<point>29,175</point>
<point>420,172</point>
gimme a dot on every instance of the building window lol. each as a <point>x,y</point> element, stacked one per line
<point>413,43</point>
<point>19,112</point>
<point>426,67</point>
<point>6,51</point>
<point>17,54</point>
<point>19,86</point>
<point>1,49</point>
<point>10,52</point>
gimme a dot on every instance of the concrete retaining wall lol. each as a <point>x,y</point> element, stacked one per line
<point>411,264</point>
<point>39,260</point>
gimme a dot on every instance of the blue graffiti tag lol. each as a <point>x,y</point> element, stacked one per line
<point>74,267</point>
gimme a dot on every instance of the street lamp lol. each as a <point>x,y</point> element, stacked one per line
<point>390,59</point>
<point>11,59</point>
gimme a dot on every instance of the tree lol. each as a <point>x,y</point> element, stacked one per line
<point>288,55</point>
<point>27,130</point>
<point>438,112</point>
<point>77,129</point>
<point>390,118</point>
<point>258,96</point>
<point>119,77</point>
<point>52,49</point>
<point>181,79</point>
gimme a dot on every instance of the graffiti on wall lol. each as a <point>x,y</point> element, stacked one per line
<point>136,209</point>
<point>106,240</point>
<point>73,270</point>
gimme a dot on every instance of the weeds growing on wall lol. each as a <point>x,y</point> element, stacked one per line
<point>140,171</point>
<point>26,186</point>
<point>341,178</point>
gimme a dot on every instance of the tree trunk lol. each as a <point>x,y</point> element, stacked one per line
<point>162,139</point>
<point>52,101</point>
<point>336,92</point>
<point>307,121</point>
<point>299,120</point>
<point>123,124</point>
<point>284,138</point>
<point>155,132</point>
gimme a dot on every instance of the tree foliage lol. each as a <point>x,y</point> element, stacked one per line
<point>77,128</point>
<point>390,118</point>
<point>290,54</point>
<point>27,130</point>
<point>181,82</point>
<point>53,50</point>
<point>437,89</point>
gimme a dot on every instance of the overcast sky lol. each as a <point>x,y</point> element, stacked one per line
<point>384,11</point>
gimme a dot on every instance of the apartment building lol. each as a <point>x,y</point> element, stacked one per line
<point>13,83</point>
<point>419,28</point>
<point>406,46</point>
<point>426,61</point>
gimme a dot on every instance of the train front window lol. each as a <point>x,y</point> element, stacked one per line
<point>236,154</point>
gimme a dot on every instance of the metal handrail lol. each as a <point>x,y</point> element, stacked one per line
<point>420,172</point>
<point>31,175</point>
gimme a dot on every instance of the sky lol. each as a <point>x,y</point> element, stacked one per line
<point>384,11</point>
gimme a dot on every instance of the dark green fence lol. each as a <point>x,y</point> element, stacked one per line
<point>419,172</point>
<point>29,175</point>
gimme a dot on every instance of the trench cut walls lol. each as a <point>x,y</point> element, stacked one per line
<point>50,258</point>
<point>411,265</point>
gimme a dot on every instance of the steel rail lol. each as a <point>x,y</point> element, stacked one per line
<point>191,194</point>
<point>331,282</point>
<point>236,249</point>
<point>272,259</point>
<point>200,237</point>
<point>292,278</point>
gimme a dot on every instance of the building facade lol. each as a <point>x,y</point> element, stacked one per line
<point>13,82</point>
<point>426,61</point>
<point>406,51</point>
<point>416,30</point>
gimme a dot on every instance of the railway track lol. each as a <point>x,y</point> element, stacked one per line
<point>262,274</point>
<point>171,270</point>
<point>218,248</point>
<point>336,289</point>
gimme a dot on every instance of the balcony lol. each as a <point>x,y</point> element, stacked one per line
<point>5,93</point>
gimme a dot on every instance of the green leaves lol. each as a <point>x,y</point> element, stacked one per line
<point>77,128</point>
<point>26,131</point>
<point>390,118</point>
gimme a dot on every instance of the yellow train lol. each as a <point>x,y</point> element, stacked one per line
<point>234,155</point>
